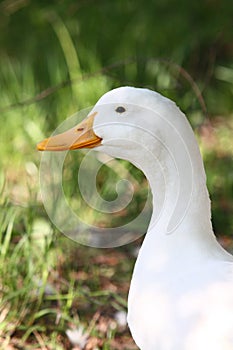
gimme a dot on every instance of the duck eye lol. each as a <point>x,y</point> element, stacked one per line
<point>120,109</point>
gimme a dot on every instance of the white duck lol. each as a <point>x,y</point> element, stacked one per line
<point>181,293</point>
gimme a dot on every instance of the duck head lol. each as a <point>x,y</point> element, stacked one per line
<point>125,123</point>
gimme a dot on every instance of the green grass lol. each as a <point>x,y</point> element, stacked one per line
<point>49,284</point>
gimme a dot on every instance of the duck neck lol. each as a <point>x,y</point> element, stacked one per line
<point>180,203</point>
<point>178,183</point>
<point>182,231</point>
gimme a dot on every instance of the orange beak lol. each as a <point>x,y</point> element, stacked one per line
<point>80,136</point>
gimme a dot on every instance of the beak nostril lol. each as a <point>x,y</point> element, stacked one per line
<point>80,129</point>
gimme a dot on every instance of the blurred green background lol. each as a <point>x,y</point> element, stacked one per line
<point>56,58</point>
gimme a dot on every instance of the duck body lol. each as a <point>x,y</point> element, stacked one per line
<point>181,293</point>
<point>181,301</point>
